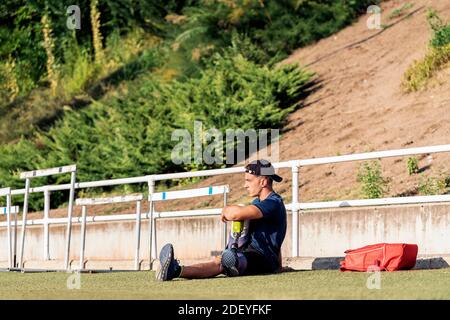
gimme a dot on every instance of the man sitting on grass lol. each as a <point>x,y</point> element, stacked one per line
<point>267,228</point>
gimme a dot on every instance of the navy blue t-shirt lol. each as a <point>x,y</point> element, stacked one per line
<point>267,234</point>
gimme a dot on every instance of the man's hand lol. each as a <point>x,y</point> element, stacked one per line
<point>222,216</point>
<point>235,213</point>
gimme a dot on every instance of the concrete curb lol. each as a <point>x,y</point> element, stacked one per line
<point>333,263</point>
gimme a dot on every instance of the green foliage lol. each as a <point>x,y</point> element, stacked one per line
<point>429,186</point>
<point>78,75</point>
<point>126,58</point>
<point>169,64</point>
<point>21,156</point>
<point>437,57</point>
<point>9,87</point>
<point>418,75</point>
<point>400,11</point>
<point>442,37</point>
<point>441,31</point>
<point>20,34</point>
<point>413,165</point>
<point>263,32</point>
<point>131,135</point>
<point>277,27</point>
<point>447,181</point>
<point>373,183</point>
<point>21,30</point>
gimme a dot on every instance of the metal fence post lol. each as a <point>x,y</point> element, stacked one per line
<point>295,234</point>
<point>83,236</point>
<point>69,219</point>
<point>151,190</point>
<point>24,220</point>
<point>15,240</point>
<point>46,228</point>
<point>138,235</point>
<point>8,217</point>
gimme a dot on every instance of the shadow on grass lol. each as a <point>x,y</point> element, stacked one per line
<point>333,263</point>
<point>431,263</point>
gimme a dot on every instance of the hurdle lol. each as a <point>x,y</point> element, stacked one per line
<point>84,202</point>
<point>8,211</point>
<point>180,194</point>
<point>72,169</point>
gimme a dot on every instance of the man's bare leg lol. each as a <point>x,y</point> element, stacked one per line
<point>202,270</point>
<point>171,269</point>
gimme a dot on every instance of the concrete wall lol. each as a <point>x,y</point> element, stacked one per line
<point>323,233</point>
<point>194,238</point>
<point>329,233</point>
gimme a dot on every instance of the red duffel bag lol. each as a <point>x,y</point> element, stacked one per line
<point>385,256</point>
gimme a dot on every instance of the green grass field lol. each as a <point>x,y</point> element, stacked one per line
<point>416,284</point>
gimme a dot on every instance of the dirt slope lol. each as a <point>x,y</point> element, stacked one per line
<point>360,106</point>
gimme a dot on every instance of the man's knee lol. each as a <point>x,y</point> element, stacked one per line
<point>233,263</point>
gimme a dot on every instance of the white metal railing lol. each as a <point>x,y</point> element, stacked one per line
<point>72,169</point>
<point>6,192</point>
<point>84,202</point>
<point>124,217</point>
<point>294,207</point>
<point>8,211</point>
<point>182,194</point>
<point>372,202</point>
<point>13,210</point>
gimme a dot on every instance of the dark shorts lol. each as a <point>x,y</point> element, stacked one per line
<point>255,262</point>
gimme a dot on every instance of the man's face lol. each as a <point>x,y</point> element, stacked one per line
<point>254,184</point>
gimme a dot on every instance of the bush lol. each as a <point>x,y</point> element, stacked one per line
<point>373,184</point>
<point>447,181</point>
<point>125,58</point>
<point>131,135</point>
<point>441,37</point>
<point>437,58</point>
<point>413,165</point>
<point>124,136</point>
<point>417,76</point>
<point>22,156</point>
<point>441,32</point>
<point>429,186</point>
<point>8,81</point>
<point>227,79</point>
<point>276,27</point>
<point>400,11</point>
<point>79,74</point>
<point>21,30</point>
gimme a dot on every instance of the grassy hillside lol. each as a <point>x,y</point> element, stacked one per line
<point>107,96</point>
<point>361,105</point>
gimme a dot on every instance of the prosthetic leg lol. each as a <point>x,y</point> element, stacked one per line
<point>230,261</point>
<point>237,227</point>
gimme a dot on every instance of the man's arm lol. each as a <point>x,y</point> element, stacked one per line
<point>234,213</point>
